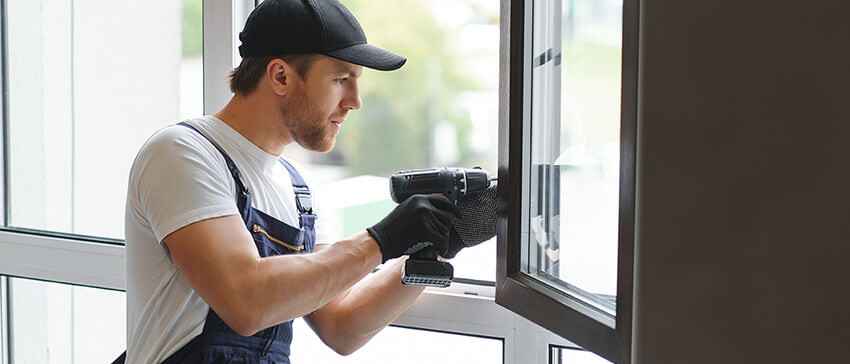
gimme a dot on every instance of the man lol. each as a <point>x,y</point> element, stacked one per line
<point>220,229</point>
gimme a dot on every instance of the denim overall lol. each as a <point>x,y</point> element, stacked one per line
<point>218,343</point>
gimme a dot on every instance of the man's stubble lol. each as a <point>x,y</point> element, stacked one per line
<point>307,126</point>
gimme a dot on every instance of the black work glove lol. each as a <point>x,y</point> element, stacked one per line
<point>478,223</point>
<point>418,222</point>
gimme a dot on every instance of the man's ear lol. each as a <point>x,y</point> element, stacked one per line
<point>280,76</point>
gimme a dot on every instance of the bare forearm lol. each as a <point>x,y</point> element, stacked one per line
<point>379,300</point>
<point>288,286</point>
<point>371,305</point>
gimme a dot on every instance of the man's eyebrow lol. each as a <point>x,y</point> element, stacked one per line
<point>348,72</point>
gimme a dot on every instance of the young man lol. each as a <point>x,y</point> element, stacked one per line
<point>220,231</point>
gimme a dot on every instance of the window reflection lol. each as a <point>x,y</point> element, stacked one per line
<point>86,89</point>
<point>399,345</point>
<point>59,323</point>
<point>573,162</point>
<point>440,109</point>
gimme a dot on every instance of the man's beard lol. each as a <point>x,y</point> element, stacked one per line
<point>308,128</point>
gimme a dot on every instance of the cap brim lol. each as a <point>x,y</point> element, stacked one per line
<point>370,56</point>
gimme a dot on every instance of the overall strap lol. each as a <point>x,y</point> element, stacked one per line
<point>302,192</point>
<point>230,165</point>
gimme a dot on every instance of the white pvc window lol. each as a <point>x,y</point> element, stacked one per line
<point>55,323</point>
<point>88,83</point>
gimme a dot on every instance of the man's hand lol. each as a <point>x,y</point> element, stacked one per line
<point>418,222</point>
<point>478,223</point>
<point>455,245</point>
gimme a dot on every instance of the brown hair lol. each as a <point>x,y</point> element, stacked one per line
<point>245,77</point>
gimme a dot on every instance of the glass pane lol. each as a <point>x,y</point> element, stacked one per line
<point>58,323</point>
<point>440,109</point>
<point>575,356</point>
<point>86,89</point>
<point>399,345</point>
<point>573,160</point>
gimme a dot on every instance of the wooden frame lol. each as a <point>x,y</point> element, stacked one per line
<point>609,337</point>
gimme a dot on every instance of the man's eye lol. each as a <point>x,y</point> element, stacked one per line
<point>341,81</point>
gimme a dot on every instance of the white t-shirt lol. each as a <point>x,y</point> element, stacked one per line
<point>179,178</point>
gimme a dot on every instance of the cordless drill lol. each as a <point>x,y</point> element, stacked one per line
<point>423,268</point>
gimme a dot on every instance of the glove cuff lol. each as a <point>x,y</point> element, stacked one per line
<point>377,238</point>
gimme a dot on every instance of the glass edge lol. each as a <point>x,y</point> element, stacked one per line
<point>525,144</point>
<point>576,303</point>
<point>9,276</point>
<point>477,282</point>
<point>62,235</point>
<point>596,299</point>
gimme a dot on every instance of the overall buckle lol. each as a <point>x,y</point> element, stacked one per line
<point>304,203</point>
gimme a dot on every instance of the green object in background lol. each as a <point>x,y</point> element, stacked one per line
<point>192,29</point>
<point>357,218</point>
<point>402,107</point>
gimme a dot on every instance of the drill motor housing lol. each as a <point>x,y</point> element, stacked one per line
<point>451,182</point>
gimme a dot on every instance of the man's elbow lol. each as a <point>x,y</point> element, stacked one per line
<point>345,349</point>
<point>240,316</point>
<point>345,352</point>
<point>245,328</point>
<point>246,319</point>
<point>346,344</point>
<point>240,322</point>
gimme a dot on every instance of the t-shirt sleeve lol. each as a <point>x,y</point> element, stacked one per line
<point>180,178</point>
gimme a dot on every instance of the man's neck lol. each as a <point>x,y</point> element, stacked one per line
<point>256,121</point>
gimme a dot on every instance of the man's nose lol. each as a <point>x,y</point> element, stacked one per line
<point>352,100</point>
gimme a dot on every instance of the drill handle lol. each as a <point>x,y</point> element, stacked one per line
<point>429,253</point>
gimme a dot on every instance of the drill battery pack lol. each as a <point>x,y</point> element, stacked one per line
<point>427,272</point>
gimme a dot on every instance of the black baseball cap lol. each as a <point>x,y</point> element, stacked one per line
<point>280,27</point>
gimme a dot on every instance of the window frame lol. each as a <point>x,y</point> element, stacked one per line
<point>5,340</point>
<point>4,113</point>
<point>555,356</point>
<point>518,291</point>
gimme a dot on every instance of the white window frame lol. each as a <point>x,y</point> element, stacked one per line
<point>462,308</point>
<point>4,321</point>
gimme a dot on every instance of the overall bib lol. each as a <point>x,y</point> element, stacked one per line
<point>218,343</point>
